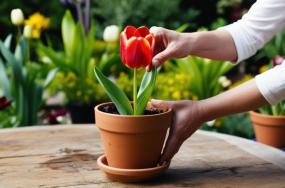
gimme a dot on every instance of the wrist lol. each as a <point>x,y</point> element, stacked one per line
<point>206,110</point>
<point>190,41</point>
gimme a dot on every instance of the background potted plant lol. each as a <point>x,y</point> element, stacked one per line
<point>23,81</point>
<point>132,134</point>
<point>74,77</point>
<point>269,121</point>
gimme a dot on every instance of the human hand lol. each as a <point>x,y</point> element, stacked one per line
<point>168,44</point>
<point>186,120</point>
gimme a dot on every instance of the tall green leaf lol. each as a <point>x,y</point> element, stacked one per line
<point>12,61</point>
<point>21,51</point>
<point>4,81</point>
<point>50,77</point>
<point>117,96</point>
<point>68,30</point>
<point>7,41</point>
<point>145,91</point>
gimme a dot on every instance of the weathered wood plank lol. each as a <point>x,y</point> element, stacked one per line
<point>65,156</point>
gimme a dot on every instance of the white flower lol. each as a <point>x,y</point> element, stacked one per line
<point>211,123</point>
<point>111,33</point>
<point>224,81</point>
<point>28,31</point>
<point>17,16</point>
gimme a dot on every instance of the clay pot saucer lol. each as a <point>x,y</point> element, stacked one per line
<point>129,175</point>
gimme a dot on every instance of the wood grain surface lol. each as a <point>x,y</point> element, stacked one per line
<point>65,156</point>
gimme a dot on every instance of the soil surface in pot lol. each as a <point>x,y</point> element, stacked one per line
<point>113,110</point>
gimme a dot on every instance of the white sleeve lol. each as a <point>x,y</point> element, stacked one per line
<point>271,84</point>
<point>263,20</point>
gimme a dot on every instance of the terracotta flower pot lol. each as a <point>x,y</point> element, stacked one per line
<point>268,129</point>
<point>132,142</point>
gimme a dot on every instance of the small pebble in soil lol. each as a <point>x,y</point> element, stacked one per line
<point>113,110</point>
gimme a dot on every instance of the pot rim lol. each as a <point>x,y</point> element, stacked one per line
<point>96,108</point>
<point>265,115</point>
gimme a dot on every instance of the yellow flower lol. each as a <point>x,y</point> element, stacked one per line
<point>176,95</point>
<point>38,23</point>
<point>263,68</point>
<point>170,82</point>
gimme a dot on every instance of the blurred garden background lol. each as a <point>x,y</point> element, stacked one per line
<point>47,60</point>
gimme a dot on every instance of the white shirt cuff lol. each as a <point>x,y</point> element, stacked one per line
<point>271,84</point>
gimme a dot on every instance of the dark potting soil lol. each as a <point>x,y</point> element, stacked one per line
<point>113,110</point>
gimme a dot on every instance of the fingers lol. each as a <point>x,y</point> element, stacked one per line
<point>161,57</point>
<point>171,148</point>
<point>162,51</point>
<point>164,105</point>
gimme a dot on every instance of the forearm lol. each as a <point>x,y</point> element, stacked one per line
<point>240,99</point>
<point>216,44</point>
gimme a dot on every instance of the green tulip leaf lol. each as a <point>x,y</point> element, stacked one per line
<point>117,96</point>
<point>145,91</point>
<point>12,61</point>
<point>50,77</point>
<point>4,81</point>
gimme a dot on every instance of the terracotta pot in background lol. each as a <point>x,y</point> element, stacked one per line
<point>132,142</point>
<point>268,129</point>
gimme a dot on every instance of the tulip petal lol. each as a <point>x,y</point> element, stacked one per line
<point>123,41</point>
<point>149,38</point>
<point>130,31</point>
<point>138,53</point>
<point>142,31</point>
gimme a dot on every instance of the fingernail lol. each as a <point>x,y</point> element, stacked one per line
<point>155,63</point>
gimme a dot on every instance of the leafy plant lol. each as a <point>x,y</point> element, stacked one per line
<point>204,73</point>
<point>20,80</point>
<point>120,99</point>
<point>136,52</point>
<point>76,59</point>
<point>273,48</point>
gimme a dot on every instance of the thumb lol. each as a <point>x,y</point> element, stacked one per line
<point>164,105</point>
<point>161,57</point>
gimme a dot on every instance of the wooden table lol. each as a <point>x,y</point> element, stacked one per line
<point>65,156</point>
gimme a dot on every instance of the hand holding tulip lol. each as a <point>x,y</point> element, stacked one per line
<point>217,44</point>
<point>168,44</point>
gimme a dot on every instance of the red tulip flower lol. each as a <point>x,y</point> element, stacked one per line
<point>4,103</point>
<point>136,47</point>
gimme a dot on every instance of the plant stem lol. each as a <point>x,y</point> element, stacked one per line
<point>135,91</point>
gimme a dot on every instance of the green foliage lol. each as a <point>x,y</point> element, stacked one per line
<point>120,99</point>
<point>238,125</point>
<point>117,96</point>
<point>145,90</point>
<point>20,81</point>
<point>273,48</point>
<point>75,63</point>
<point>8,118</point>
<point>204,73</point>
<point>143,12</point>
<point>274,110</point>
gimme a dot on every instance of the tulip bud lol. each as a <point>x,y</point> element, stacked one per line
<point>28,31</point>
<point>17,17</point>
<point>111,33</point>
<point>136,47</point>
